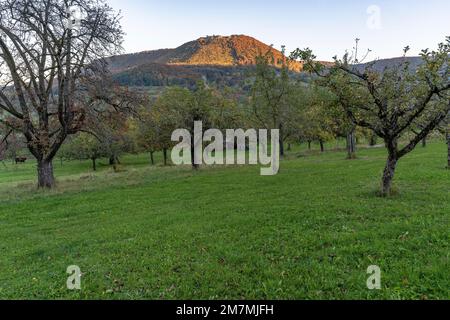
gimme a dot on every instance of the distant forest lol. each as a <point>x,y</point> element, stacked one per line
<point>159,75</point>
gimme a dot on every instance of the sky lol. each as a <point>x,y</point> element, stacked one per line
<point>329,27</point>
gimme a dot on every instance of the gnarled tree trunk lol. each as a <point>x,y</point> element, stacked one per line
<point>389,173</point>
<point>46,178</point>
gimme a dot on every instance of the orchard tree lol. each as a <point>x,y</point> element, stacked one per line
<point>110,110</point>
<point>46,48</point>
<point>197,105</point>
<point>322,121</point>
<point>341,124</point>
<point>84,146</point>
<point>155,125</point>
<point>113,130</point>
<point>391,102</point>
<point>297,122</point>
<point>174,109</point>
<point>180,108</point>
<point>269,96</point>
<point>227,111</point>
<point>145,136</point>
<point>104,134</point>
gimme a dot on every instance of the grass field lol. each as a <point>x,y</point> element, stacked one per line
<point>227,232</point>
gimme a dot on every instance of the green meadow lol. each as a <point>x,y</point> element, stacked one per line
<point>154,232</point>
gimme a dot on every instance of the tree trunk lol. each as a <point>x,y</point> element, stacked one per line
<point>424,142</point>
<point>94,164</point>
<point>389,173</point>
<point>309,145</point>
<point>448,147</point>
<point>194,166</point>
<point>165,156</point>
<point>152,158</point>
<point>322,146</point>
<point>289,147</point>
<point>281,141</point>
<point>46,179</point>
<point>281,147</point>
<point>351,145</point>
<point>113,162</point>
<point>373,140</point>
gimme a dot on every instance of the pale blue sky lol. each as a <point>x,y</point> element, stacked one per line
<point>329,27</point>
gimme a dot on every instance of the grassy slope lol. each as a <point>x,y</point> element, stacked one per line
<point>310,232</point>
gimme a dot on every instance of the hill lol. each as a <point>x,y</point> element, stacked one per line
<point>383,64</point>
<point>218,59</point>
<point>235,50</point>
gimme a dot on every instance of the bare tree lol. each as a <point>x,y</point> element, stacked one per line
<point>44,51</point>
<point>393,101</point>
